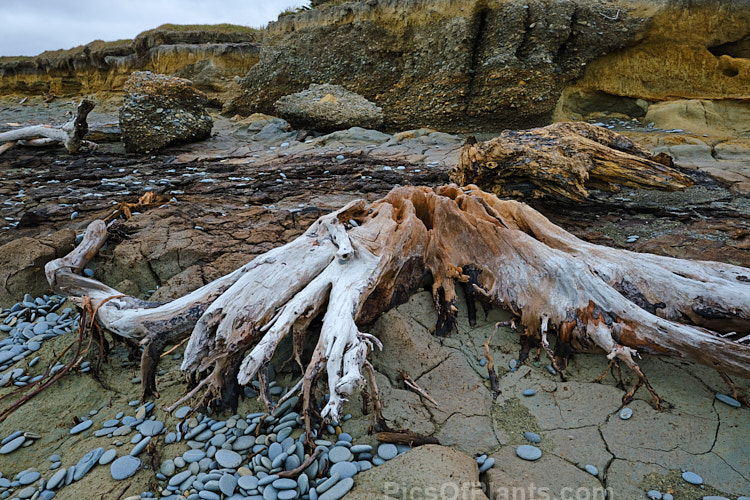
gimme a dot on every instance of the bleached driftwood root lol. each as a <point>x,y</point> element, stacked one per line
<point>564,160</point>
<point>352,265</point>
<point>70,134</point>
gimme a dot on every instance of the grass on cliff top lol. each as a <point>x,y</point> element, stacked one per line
<point>52,54</point>
<point>222,28</point>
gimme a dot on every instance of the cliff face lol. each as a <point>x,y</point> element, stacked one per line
<point>208,56</point>
<point>474,65</point>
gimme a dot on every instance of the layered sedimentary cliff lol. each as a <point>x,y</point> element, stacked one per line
<point>468,65</point>
<point>207,55</point>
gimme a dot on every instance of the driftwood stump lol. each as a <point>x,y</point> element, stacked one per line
<point>353,264</point>
<point>564,160</point>
<point>70,134</point>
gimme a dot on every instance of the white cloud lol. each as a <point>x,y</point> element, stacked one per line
<point>33,27</point>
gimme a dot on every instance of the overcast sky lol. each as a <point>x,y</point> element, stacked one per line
<point>30,27</point>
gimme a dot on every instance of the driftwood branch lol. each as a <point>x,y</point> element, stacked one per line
<point>70,134</point>
<point>591,297</point>
<point>564,160</point>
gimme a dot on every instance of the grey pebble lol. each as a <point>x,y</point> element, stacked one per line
<point>56,479</point>
<point>728,400</point>
<point>528,452</point>
<point>228,483</point>
<point>529,392</point>
<point>87,462</point>
<point>387,451</point>
<point>228,458</point>
<point>191,456</point>
<point>532,437</point>
<point>27,492</point>
<point>591,470</point>
<point>82,426</point>
<point>668,496</point>
<point>12,445</point>
<point>151,428</point>
<point>182,412</point>
<point>692,477</point>
<point>654,494</point>
<point>108,456</point>
<point>626,413</point>
<point>137,449</point>
<point>341,454</point>
<point>126,466</point>
<point>487,465</point>
<point>338,490</point>
<point>344,469</point>
<point>29,478</point>
<point>248,482</point>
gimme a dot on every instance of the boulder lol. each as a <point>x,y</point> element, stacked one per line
<point>22,264</point>
<point>430,471</point>
<point>160,110</point>
<point>328,108</point>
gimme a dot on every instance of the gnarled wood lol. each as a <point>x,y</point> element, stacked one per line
<point>564,160</point>
<point>70,134</point>
<point>354,264</point>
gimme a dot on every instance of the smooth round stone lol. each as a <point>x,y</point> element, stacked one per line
<point>55,458</point>
<point>12,445</point>
<point>714,497</point>
<point>338,490</point>
<point>344,469</point>
<point>243,443</point>
<point>360,448</point>
<point>654,494</point>
<point>228,458</point>
<point>227,484</point>
<point>529,392</point>
<point>692,477</point>
<point>345,436</point>
<point>56,479</point>
<point>4,482</point>
<point>727,400</point>
<point>287,494</point>
<point>108,456</point>
<point>487,465</point>
<point>340,454</point>
<point>124,467</point>
<point>47,495</point>
<point>247,482</point>
<point>532,437</point>
<point>387,451</point>
<point>591,470</point>
<point>29,478</point>
<point>33,345</point>
<point>179,478</point>
<point>27,492</point>
<point>182,412</point>
<point>528,452</point>
<point>191,456</point>
<point>268,480</point>
<point>167,467</point>
<point>274,451</point>
<point>208,495</point>
<point>111,423</point>
<point>668,496</point>
<point>151,428</point>
<point>284,484</point>
<point>41,327</point>
<point>626,413</point>
<point>82,426</point>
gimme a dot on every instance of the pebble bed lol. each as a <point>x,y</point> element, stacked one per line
<point>232,459</point>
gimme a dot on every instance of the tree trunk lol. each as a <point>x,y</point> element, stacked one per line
<point>353,264</point>
<point>70,134</point>
<point>564,160</point>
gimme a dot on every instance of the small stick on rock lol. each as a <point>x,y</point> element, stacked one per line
<point>406,437</point>
<point>409,383</point>
<point>292,474</point>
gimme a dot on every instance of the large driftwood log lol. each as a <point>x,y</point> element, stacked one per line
<point>354,264</point>
<point>70,134</point>
<point>564,160</point>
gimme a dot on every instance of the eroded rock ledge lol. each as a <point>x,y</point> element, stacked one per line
<point>488,65</point>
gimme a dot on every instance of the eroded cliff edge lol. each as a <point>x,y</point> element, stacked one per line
<point>209,55</point>
<point>486,65</point>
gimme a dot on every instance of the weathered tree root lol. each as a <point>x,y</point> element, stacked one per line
<point>564,160</point>
<point>349,273</point>
<point>70,134</point>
